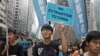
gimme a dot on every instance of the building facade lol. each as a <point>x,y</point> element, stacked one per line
<point>2,18</point>
<point>9,13</point>
<point>96,8</point>
<point>91,15</point>
<point>30,18</point>
<point>18,15</point>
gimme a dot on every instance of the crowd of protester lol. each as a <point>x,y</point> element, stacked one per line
<point>18,45</point>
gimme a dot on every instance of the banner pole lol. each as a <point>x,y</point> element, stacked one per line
<point>6,25</point>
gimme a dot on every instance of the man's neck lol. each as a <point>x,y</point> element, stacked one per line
<point>12,43</point>
<point>47,41</point>
<point>92,54</point>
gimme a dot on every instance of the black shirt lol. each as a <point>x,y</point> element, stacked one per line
<point>16,50</point>
<point>2,45</point>
<point>38,48</point>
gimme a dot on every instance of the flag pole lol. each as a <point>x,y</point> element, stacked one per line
<point>6,25</point>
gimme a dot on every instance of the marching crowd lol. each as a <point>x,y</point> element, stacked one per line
<point>47,47</point>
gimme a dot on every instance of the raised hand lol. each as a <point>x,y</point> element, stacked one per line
<point>61,27</point>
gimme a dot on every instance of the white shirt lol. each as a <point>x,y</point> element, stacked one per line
<point>86,53</point>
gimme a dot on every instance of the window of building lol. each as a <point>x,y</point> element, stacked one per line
<point>0,0</point>
<point>88,11</point>
<point>2,9</point>
<point>15,23</point>
<point>88,0</point>
<point>2,32</point>
<point>1,15</point>
<point>17,2</point>
<point>1,21</point>
<point>16,12</point>
<point>17,6</point>
<point>16,17</point>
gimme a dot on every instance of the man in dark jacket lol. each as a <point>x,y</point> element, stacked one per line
<point>49,47</point>
<point>12,47</point>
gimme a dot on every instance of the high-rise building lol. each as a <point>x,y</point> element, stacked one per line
<point>96,8</point>
<point>90,15</point>
<point>24,13</point>
<point>18,14</point>
<point>2,18</point>
<point>9,13</point>
<point>12,12</point>
<point>30,17</point>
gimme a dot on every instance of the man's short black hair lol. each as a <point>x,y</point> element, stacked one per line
<point>46,26</point>
<point>83,45</point>
<point>11,30</point>
<point>93,35</point>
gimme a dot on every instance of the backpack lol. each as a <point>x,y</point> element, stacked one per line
<point>50,52</point>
